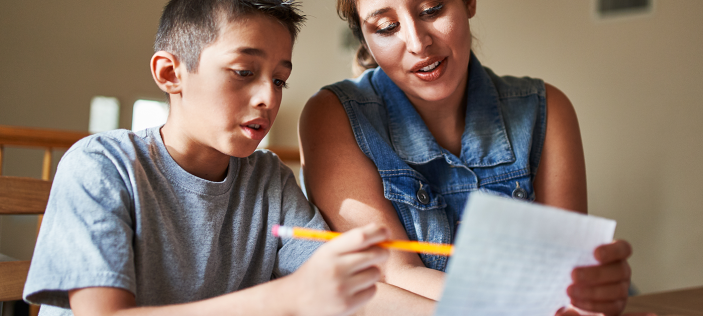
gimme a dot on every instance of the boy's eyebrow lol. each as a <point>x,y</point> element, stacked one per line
<point>377,12</point>
<point>251,51</point>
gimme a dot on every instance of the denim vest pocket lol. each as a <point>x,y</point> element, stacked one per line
<point>420,209</point>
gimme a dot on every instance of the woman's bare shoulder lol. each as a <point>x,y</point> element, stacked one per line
<point>325,122</point>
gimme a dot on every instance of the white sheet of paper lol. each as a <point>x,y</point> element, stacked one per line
<point>515,258</point>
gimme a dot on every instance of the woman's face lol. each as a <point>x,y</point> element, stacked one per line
<point>423,45</point>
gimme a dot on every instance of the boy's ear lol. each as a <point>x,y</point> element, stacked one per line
<point>166,72</point>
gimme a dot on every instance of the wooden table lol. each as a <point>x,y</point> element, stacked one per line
<point>679,302</point>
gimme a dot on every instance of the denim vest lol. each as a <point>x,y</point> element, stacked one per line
<point>428,185</point>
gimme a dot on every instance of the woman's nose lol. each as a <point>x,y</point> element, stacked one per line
<point>417,39</point>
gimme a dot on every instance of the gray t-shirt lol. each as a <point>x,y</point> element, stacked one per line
<point>123,214</point>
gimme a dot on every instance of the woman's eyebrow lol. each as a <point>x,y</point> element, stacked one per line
<point>377,12</point>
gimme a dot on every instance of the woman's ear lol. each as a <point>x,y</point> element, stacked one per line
<point>470,8</point>
<point>166,73</point>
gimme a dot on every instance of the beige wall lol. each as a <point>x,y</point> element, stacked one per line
<point>635,83</point>
<point>637,86</point>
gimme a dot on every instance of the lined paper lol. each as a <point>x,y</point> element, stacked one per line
<point>515,258</point>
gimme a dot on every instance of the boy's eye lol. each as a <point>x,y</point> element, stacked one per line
<point>280,83</point>
<point>244,73</point>
<point>432,11</point>
<point>387,28</point>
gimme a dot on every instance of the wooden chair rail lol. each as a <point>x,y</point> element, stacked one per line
<point>13,274</point>
<point>35,137</point>
<point>23,195</point>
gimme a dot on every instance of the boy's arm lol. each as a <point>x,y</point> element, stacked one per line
<point>258,300</point>
<point>338,279</point>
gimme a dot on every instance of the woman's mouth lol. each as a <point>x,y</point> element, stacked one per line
<point>432,71</point>
<point>430,67</point>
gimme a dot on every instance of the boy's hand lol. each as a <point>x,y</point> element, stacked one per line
<point>603,288</point>
<point>340,276</point>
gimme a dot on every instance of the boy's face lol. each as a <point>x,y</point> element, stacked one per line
<point>230,103</point>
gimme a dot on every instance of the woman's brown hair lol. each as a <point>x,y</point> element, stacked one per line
<point>346,9</point>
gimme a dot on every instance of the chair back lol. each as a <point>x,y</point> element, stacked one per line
<point>19,196</point>
<point>26,196</point>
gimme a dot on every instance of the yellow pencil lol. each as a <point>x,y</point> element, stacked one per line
<point>403,245</point>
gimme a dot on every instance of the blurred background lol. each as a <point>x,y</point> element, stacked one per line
<point>635,79</point>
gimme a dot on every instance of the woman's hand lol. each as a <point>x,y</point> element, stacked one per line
<point>340,276</point>
<point>603,288</point>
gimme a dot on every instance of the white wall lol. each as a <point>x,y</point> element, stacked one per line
<point>637,86</point>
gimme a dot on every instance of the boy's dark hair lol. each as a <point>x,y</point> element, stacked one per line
<point>188,26</point>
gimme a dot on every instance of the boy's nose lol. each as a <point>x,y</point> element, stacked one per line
<point>265,96</point>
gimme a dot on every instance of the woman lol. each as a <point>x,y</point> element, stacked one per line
<point>406,143</point>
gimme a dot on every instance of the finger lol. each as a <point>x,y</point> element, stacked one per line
<point>607,292</point>
<point>602,274</point>
<point>616,251</point>
<point>362,280</point>
<point>607,308</point>
<point>357,239</point>
<point>361,260</point>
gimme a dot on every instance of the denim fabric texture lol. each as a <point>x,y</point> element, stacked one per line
<point>429,186</point>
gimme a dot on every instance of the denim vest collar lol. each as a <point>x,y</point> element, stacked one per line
<point>484,141</point>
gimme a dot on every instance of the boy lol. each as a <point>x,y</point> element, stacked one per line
<point>169,221</point>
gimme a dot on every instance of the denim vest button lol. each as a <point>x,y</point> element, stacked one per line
<point>423,197</point>
<point>520,193</point>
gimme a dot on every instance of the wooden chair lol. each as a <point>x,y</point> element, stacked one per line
<point>27,196</point>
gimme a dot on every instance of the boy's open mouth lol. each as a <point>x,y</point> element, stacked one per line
<point>254,126</point>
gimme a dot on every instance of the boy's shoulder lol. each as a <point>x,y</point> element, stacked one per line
<point>110,140</point>
<point>264,163</point>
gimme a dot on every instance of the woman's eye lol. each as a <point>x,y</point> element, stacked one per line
<point>244,73</point>
<point>280,83</point>
<point>433,10</point>
<point>388,28</point>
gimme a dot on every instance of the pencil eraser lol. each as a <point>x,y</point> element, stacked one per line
<point>274,230</point>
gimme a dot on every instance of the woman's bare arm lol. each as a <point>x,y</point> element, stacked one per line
<point>561,177</point>
<point>347,188</point>
<point>561,182</point>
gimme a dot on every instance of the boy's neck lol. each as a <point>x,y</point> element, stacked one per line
<point>195,158</point>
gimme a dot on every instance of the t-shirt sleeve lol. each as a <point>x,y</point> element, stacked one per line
<point>86,235</point>
<point>296,211</point>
